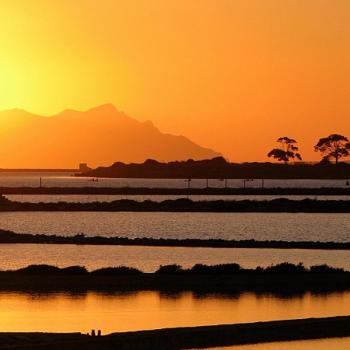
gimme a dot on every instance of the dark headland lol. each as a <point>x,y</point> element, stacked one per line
<point>219,168</point>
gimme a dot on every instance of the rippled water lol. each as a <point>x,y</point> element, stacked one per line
<point>148,259</point>
<point>62,312</point>
<point>260,226</point>
<point>31,179</point>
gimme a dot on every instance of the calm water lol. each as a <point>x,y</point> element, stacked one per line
<point>260,226</point>
<point>321,344</point>
<point>31,179</point>
<point>62,312</point>
<point>156,198</point>
<point>148,259</point>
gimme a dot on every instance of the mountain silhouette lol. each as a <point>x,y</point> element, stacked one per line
<point>98,136</point>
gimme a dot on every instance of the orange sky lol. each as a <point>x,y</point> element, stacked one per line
<point>232,75</point>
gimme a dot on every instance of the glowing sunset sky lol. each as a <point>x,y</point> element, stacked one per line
<point>232,75</point>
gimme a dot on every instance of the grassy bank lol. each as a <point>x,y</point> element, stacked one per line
<point>186,205</point>
<point>229,278</point>
<point>9,237</point>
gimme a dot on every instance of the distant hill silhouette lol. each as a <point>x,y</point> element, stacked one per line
<point>97,136</point>
<point>219,168</point>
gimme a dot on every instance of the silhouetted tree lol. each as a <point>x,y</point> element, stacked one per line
<point>287,151</point>
<point>333,147</point>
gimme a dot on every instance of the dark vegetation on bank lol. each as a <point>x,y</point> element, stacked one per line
<point>174,269</point>
<point>187,205</point>
<point>285,278</point>
<point>219,168</point>
<point>278,191</point>
<point>7,237</point>
<point>185,337</point>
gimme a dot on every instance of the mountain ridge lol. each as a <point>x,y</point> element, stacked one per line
<point>98,136</point>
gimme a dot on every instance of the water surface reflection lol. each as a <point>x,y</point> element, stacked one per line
<point>320,344</point>
<point>62,312</point>
<point>148,259</point>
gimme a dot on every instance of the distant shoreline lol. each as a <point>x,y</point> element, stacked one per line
<point>9,237</point>
<point>219,168</point>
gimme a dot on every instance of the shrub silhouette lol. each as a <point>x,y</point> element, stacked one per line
<point>116,271</point>
<point>40,269</point>
<point>74,270</point>
<point>169,269</point>
<point>286,268</point>
<point>53,270</point>
<point>325,269</point>
<point>215,269</point>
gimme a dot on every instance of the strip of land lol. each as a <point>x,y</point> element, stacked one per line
<point>281,205</point>
<point>9,237</point>
<point>185,337</point>
<point>219,168</point>
<point>285,278</point>
<point>324,191</point>
<point>225,335</point>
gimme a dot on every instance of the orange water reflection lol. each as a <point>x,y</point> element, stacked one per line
<point>320,344</point>
<point>61,312</point>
